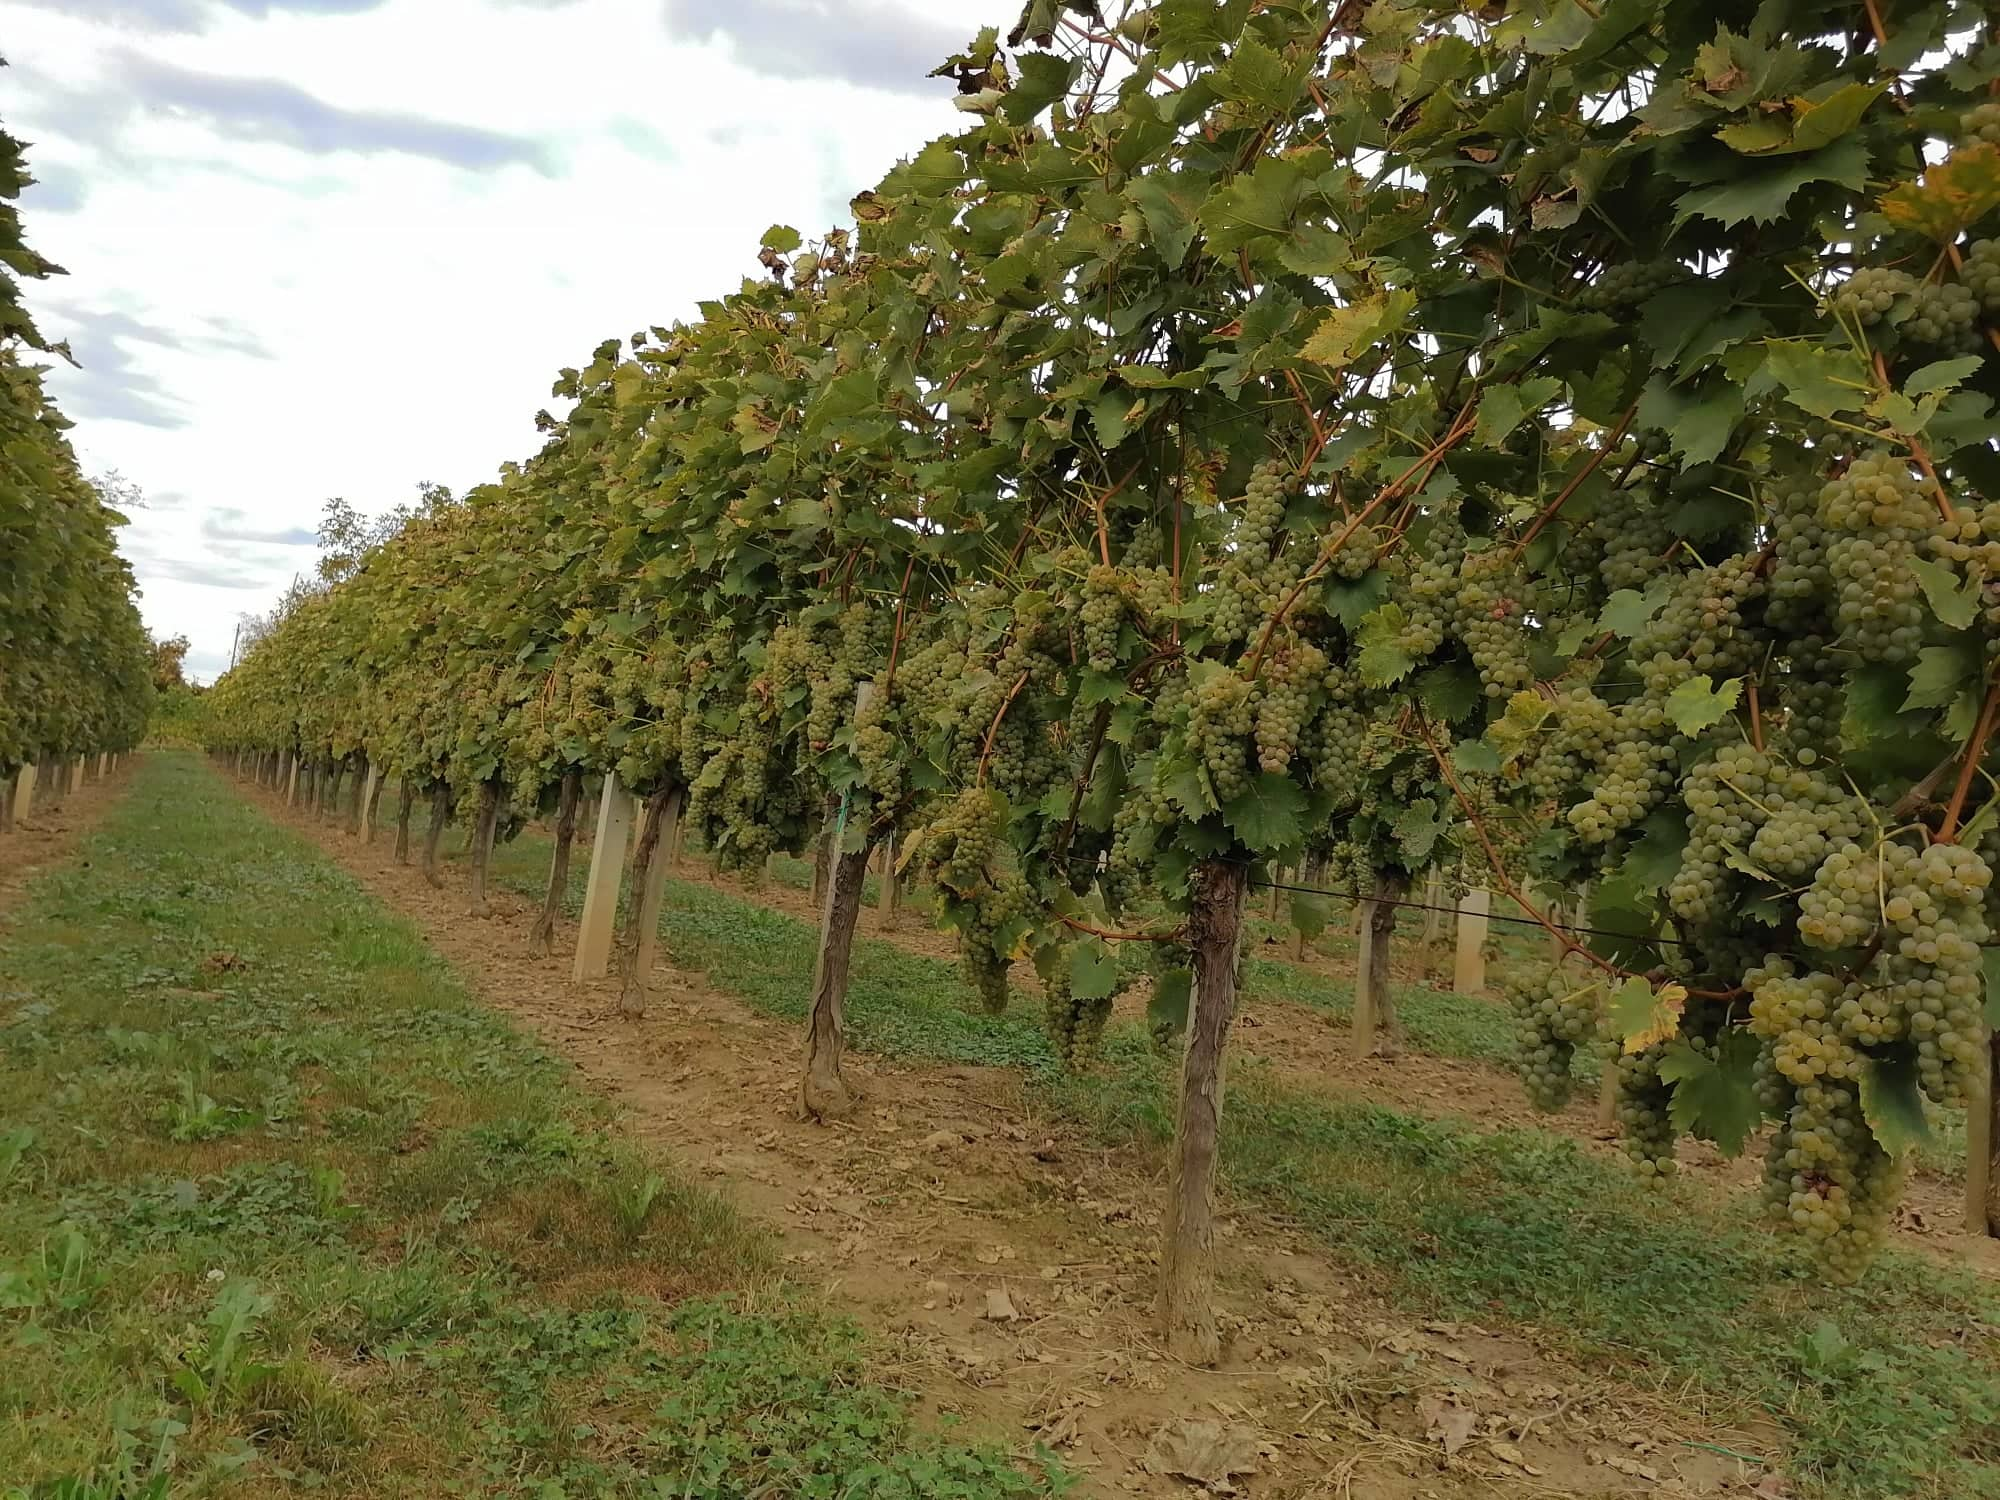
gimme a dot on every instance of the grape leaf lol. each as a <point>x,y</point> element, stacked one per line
<point>1173,993</point>
<point>1626,922</point>
<point>1475,758</point>
<point>1955,194</point>
<point>1502,408</point>
<point>1892,1102</point>
<point>1168,202</point>
<point>1941,674</point>
<point>1266,816</point>
<point>1351,600</point>
<point>1698,422</point>
<point>779,237</point>
<point>1762,196</point>
<point>1641,1015</point>
<point>1382,659</point>
<point>1953,600</point>
<point>1816,378</point>
<point>1715,1098</point>
<point>1093,970</point>
<point>1626,612</point>
<point>1417,828</point>
<point>1310,914</point>
<point>1656,857</point>
<point>1346,332</point>
<point>1697,703</point>
<point>1450,692</point>
<point>1942,375</point>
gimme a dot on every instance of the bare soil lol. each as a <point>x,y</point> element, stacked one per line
<point>50,834</point>
<point>1008,1264</point>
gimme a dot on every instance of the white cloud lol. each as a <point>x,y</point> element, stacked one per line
<point>328,247</point>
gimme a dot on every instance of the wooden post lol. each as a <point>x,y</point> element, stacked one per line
<point>370,797</point>
<point>24,792</point>
<point>1361,1027</point>
<point>1187,1247</point>
<point>543,934</point>
<point>103,764</point>
<point>291,778</point>
<point>1982,1145</point>
<point>641,938</point>
<point>1433,922</point>
<point>600,892</point>
<point>673,848</point>
<point>1469,973</point>
<point>76,776</point>
<point>890,897</point>
<point>364,796</point>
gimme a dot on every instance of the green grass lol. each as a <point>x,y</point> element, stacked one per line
<point>1892,1388</point>
<point>283,1211</point>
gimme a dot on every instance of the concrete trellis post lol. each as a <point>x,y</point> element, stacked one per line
<point>1469,973</point>
<point>600,893</point>
<point>76,775</point>
<point>23,792</point>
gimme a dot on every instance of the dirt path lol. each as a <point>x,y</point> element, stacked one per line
<point>1307,1049</point>
<point>1010,1263</point>
<point>48,835</point>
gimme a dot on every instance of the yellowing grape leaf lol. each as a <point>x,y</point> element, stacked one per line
<point>1955,194</point>
<point>1641,1015</point>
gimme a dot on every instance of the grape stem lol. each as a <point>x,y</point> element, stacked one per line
<point>1103,536</point>
<point>994,728</point>
<point>1756,720</point>
<point>1394,490</point>
<point>1917,449</point>
<point>1563,497</point>
<point>1975,751</point>
<point>896,645</point>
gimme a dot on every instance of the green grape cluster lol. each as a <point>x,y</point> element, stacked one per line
<point>1643,1099</point>
<point>1552,1017</point>
<point>987,954</point>
<point>1981,275</point>
<point>1291,673</point>
<point>1980,123</point>
<point>1221,715</point>
<point>1075,1027</point>
<point>1585,728</point>
<point>1102,614</point>
<point>1489,618</point>
<point>1634,539</point>
<point>1945,315</point>
<point>1746,804</point>
<point>1258,565</point>
<point>1870,294</point>
<point>960,840</point>
<point>1355,555</point>
<point>1629,283</point>
<point>1799,585</point>
<point>1636,773</point>
<point>1826,1177</point>
<point>1878,520</point>
<point>1135,830</point>
<point>1924,913</point>
<point>1701,627</point>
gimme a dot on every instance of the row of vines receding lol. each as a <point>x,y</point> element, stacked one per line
<point>75,661</point>
<point>1554,436</point>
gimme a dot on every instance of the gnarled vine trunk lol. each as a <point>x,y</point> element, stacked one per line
<point>543,935</point>
<point>406,797</point>
<point>823,1092</point>
<point>482,844</point>
<point>336,772</point>
<point>441,801</point>
<point>641,937</point>
<point>1187,1249</point>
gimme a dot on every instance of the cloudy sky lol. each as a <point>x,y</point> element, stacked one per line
<point>339,247</point>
